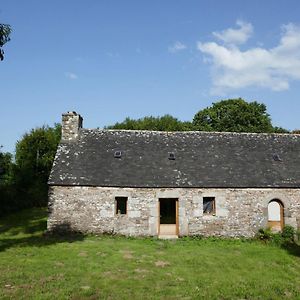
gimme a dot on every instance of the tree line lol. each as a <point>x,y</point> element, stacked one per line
<point>23,178</point>
<point>232,115</point>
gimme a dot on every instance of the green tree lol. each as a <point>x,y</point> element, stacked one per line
<point>277,129</point>
<point>164,123</point>
<point>235,115</point>
<point>5,31</point>
<point>36,150</point>
<point>25,183</point>
<point>33,161</point>
<point>5,167</point>
<point>7,189</point>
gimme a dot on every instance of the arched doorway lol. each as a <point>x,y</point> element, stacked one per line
<point>275,215</point>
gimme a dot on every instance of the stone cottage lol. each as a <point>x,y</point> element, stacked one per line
<point>149,183</point>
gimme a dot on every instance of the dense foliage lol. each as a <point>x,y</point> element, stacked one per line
<point>5,167</point>
<point>287,236</point>
<point>235,115</point>
<point>24,182</point>
<point>164,123</point>
<point>5,31</point>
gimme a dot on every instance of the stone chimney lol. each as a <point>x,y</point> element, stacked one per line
<point>71,123</point>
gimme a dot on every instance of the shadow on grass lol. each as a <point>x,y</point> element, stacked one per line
<point>26,221</point>
<point>60,234</point>
<point>292,248</point>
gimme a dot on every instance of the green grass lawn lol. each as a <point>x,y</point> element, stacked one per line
<point>35,266</point>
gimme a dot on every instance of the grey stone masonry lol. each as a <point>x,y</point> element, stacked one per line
<point>239,212</point>
<point>71,124</point>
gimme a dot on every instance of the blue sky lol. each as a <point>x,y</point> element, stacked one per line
<point>111,59</point>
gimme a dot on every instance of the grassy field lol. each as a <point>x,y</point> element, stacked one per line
<point>35,266</point>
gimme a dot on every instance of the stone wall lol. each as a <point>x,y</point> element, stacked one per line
<point>239,212</point>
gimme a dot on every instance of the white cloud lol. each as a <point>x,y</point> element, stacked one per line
<point>272,68</point>
<point>71,75</point>
<point>235,36</point>
<point>177,46</point>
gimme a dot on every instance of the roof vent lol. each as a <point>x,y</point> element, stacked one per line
<point>171,156</point>
<point>118,154</point>
<point>276,157</point>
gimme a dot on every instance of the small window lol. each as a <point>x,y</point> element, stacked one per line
<point>118,154</point>
<point>209,205</point>
<point>171,156</point>
<point>121,205</point>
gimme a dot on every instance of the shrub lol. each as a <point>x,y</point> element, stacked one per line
<point>288,234</point>
<point>264,234</point>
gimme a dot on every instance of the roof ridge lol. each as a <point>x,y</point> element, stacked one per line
<point>192,131</point>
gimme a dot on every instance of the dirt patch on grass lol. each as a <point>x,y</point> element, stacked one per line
<point>85,287</point>
<point>141,271</point>
<point>8,286</point>
<point>127,254</point>
<point>114,275</point>
<point>161,264</point>
<point>83,254</point>
<point>179,279</point>
<point>56,277</point>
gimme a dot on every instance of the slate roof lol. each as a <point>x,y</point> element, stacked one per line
<point>202,159</point>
